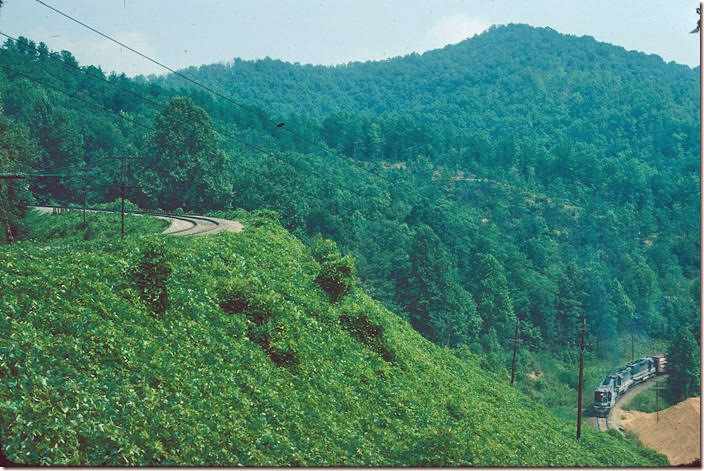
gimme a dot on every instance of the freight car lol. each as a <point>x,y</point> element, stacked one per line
<point>620,381</point>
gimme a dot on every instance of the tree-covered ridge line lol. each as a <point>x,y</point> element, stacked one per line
<point>518,77</point>
<point>458,227</point>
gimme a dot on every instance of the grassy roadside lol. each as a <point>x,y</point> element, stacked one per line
<point>69,227</point>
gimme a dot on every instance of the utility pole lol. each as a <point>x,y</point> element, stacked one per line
<point>657,402</point>
<point>633,357</point>
<point>515,349</point>
<point>122,197</point>
<point>84,202</point>
<point>582,346</point>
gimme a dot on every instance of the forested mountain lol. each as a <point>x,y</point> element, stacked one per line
<point>511,80</point>
<point>521,173</point>
<point>583,154</point>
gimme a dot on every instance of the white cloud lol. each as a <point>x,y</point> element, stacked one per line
<point>105,53</point>
<point>453,29</point>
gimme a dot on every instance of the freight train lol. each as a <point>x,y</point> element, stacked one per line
<point>623,379</point>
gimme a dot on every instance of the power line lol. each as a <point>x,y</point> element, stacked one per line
<point>193,81</point>
<point>132,92</point>
<point>137,123</point>
<point>83,71</point>
<point>75,97</point>
<point>151,102</point>
<point>154,61</point>
<point>159,106</point>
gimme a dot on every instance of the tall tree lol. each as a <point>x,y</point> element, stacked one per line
<point>437,306</point>
<point>683,366</point>
<point>17,153</point>
<point>493,298</point>
<point>183,166</point>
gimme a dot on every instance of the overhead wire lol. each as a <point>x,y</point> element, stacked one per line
<point>75,97</point>
<point>41,172</point>
<point>132,92</point>
<point>154,103</point>
<point>154,61</point>
<point>193,81</point>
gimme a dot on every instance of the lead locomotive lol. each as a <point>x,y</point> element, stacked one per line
<point>620,381</point>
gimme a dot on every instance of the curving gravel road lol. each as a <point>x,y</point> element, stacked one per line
<point>180,225</point>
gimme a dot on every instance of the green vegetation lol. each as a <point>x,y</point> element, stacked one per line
<point>152,274</point>
<point>552,381</point>
<point>587,207</point>
<point>182,166</point>
<point>94,378</point>
<point>17,153</point>
<point>99,226</point>
<point>683,367</point>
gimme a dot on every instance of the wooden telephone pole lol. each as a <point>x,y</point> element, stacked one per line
<point>657,402</point>
<point>582,346</point>
<point>84,189</point>
<point>515,350</point>
<point>123,176</point>
<point>123,191</point>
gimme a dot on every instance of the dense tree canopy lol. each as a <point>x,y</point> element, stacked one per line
<point>183,166</point>
<point>17,152</point>
<point>683,366</point>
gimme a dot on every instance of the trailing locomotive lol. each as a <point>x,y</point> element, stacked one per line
<point>620,381</point>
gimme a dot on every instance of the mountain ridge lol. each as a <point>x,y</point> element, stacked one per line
<point>531,76</point>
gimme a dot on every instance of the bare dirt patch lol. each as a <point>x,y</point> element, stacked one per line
<point>534,375</point>
<point>676,435</point>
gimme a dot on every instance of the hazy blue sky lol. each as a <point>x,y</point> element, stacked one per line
<point>193,32</point>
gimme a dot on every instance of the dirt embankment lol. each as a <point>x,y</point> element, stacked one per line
<point>677,433</point>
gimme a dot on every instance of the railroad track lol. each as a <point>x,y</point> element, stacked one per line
<point>181,225</point>
<point>602,424</point>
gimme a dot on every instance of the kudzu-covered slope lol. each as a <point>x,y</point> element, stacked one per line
<point>251,362</point>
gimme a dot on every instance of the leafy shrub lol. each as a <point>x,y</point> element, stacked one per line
<point>336,276</point>
<point>321,248</point>
<point>101,226</point>
<point>454,409</point>
<point>236,296</point>
<point>367,332</point>
<point>152,273</point>
<point>248,297</point>
<point>264,217</point>
<point>492,362</point>
<point>117,205</point>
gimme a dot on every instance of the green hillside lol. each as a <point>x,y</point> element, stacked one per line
<point>251,363</point>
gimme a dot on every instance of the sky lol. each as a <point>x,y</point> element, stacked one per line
<point>180,33</point>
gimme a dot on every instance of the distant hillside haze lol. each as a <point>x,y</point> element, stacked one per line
<point>513,79</point>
